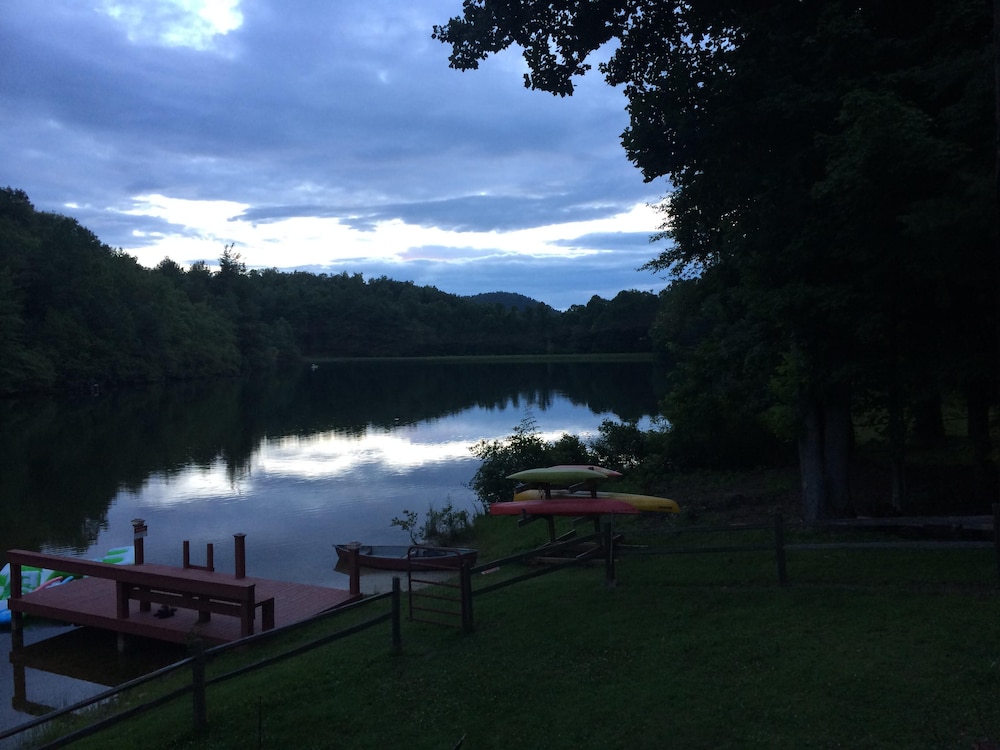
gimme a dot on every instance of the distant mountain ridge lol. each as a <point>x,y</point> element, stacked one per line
<point>508,300</point>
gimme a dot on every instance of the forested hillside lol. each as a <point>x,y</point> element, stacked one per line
<point>75,312</point>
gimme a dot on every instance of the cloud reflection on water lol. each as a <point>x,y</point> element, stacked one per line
<point>299,494</point>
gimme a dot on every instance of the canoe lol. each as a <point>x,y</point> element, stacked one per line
<point>641,503</point>
<point>610,473</point>
<point>560,476</point>
<point>33,579</point>
<point>404,556</point>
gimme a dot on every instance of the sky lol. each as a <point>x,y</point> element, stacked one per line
<point>320,136</point>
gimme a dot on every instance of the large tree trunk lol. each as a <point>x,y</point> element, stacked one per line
<point>978,412</point>
<point>838,444</point>
<point>825,442</point>
<point>928,421</point>
<point>897,448</point>
<point>996,199</point>
<point>811,469</point>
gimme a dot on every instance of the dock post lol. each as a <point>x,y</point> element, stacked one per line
<point>241,555</point>
<point>16,617</point>
<point>185,554</point>
<point>138,534</point>
<point>20,697</point>
<point>16,631</point>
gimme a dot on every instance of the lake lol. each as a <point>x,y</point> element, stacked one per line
<point>296,461</point>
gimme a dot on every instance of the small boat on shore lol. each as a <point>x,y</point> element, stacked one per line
<point>406,556</point>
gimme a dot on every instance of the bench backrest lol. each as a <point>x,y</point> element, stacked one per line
<point>135,575</point>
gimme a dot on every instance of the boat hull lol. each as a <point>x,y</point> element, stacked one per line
<point>640,503</point>
<point>400,557</point>
<point>580,505</point>
<point>609,473</point>
<point>560,476</point>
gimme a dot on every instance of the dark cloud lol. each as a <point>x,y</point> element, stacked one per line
<point>613,241</point>
<point>474,213</point>
<point>343,110</point>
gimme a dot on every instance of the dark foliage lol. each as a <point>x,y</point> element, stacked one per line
<point>832,221</point>
<point>508,300</point>
<point>77,313</point>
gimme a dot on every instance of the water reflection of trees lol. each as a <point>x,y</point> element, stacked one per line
<point>63,461</point>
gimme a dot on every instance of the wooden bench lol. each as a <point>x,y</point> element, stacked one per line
<point>156,584</point>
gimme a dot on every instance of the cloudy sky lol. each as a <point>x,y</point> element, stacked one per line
<point>320,135</point>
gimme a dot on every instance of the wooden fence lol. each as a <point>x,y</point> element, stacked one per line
<point>604,545</point>
<point>201,657</point>
<point>778,530</point>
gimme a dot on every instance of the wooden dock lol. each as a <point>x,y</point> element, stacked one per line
<point>93,601</point>
<point>168,603</point>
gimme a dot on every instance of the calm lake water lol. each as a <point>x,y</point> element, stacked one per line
<point>296,461</point>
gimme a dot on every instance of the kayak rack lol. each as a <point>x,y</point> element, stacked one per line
<point>439,599</point>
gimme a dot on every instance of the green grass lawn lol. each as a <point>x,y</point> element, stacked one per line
<point>896,649</point>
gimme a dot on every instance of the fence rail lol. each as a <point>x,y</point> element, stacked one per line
<point>779,529</point>
<point>604,544</point>
<point>197,662</point>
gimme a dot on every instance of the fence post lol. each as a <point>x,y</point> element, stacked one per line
<point>198,686</point>
<point>465,581</point>
<point>779,548</point>
<point>241,554</point>
<point>354,567</point>
<point>609,555</point>
<point>996,537</point>
<point>397,639</point>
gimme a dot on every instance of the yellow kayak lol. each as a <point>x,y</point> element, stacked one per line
<point>642,503</point>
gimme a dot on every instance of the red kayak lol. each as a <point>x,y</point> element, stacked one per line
<point>577,506</point>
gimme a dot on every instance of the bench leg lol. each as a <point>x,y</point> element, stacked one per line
<point>267,614</point>
<point>121,596</point>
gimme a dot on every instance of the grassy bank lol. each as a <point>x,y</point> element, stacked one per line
<point>893,649</point>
